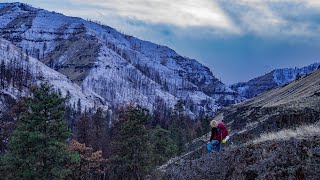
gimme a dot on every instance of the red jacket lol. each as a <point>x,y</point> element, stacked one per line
<point>221,132</point>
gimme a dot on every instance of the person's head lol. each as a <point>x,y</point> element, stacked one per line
<point>213,123</point>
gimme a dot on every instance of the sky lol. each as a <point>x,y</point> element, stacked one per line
<point>237,39</point>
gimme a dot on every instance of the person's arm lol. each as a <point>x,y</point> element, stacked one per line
<point>212,134</point>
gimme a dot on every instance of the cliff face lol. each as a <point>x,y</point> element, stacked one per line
<point>118,67</point>
<point>273,136</point>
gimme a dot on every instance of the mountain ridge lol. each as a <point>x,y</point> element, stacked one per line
<point>97,56</point>
<point>273,79</point>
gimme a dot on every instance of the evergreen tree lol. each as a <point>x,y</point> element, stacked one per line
<point>99,131</point>
<point>181,127</point>
<point>162,146</point>
<point>205,124</point>
<point>79,107</point>
<point>37,149</point>
<point>84,129</point>
<point>2,74</point>
<point>7,124</point>
<point>298,76</point>
<point>198,128</point>
<point>130,157</point>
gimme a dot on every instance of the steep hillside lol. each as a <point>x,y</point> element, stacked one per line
<point>118,67</point>
<point>275,135</point>
<point>284,107</point>
<point>295,158</point>
<point>271,80</point>
<point>19,72</point>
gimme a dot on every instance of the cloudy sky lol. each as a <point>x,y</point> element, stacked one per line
<point>237,39</point>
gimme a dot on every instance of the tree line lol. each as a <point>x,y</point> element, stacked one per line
<point>49,139</point>
<point>15,74</point>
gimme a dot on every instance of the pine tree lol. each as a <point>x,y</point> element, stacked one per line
<point>130,157</point>
<point>2,74</point>
<point>37,149</point>
<point>99,131</point>
<point>7,123</point>
<point>181,127</point>
<point>205,124</point>
<point>298,76</point>
<point>162,145</point>
<point>79,107</point>
<point>84,129</point>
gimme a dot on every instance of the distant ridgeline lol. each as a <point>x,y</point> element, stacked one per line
<point>120,69</point>
<point>271,80</point>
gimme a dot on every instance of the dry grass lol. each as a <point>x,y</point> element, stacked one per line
<point>299,133</point>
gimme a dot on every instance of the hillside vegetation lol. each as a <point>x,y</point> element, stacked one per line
<point>274,136</point>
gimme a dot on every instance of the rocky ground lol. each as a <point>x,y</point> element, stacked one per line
<point>294,158</point>
<point>273,136</point>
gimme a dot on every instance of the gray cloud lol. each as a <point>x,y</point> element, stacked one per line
<point>229,17</point>
<point>181,13</point>
<point>267,18</point>
<point>274,17</point>
<point>229,36</point>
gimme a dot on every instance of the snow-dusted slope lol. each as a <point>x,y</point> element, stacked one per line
<point>118,67</point>
<point>271,80</point>
<point>40,73</point>
<point>284,76</point>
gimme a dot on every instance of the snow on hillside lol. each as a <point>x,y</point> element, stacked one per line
<point>118,67</point>
<point>283,76</point>
<point>122,81</point>
<point>271,80</point>
<point>8,13</point>
<point>41,73</point>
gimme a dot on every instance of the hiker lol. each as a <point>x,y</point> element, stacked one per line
<point>218,133</point>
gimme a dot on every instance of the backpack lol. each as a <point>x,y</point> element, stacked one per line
<point>222,132</point>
